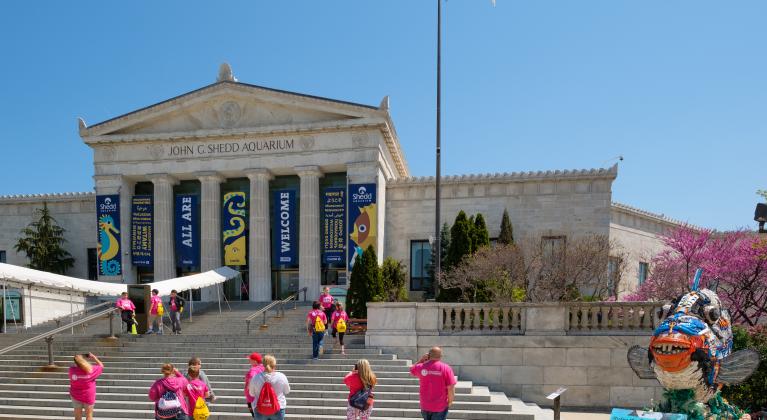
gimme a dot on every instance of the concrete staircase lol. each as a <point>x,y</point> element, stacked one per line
<point>132,363</point>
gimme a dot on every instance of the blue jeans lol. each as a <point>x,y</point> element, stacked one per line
<point>317,339</point>
<point>280,415</point>
<point>432,415</point>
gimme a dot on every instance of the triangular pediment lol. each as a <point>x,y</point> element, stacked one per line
<point>230,106</point>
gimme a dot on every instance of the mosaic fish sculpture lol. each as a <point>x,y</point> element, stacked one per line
<point>109,246</point>
<point>691,349</point>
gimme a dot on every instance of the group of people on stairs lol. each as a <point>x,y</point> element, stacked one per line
<point>175,306</point>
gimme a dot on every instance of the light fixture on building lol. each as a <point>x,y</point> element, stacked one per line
<point>760,215</point>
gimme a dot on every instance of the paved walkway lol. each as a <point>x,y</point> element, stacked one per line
<point>584,416</point>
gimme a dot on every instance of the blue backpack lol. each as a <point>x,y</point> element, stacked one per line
<point>168,406</point>
<point>362,399</point>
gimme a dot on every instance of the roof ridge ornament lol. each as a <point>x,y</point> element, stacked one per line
<point>384,106</point>
<point>225,73</point>
<point>81,125</point>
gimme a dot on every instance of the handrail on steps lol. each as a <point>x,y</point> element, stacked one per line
<point>81,312</point>
<point>48,336</point>
<point>265,309</point>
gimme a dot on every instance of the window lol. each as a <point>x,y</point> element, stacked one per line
<point>2,257</point>
<point>93,266</point>
<point>643,269</point>
<point>613,274</point>
<point>420,262</point>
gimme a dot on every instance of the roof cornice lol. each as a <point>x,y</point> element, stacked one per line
<point>36,198</point>
<point>557,175</point>
<point>656,217</point>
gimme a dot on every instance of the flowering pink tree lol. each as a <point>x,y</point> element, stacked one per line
<point>736,261</point>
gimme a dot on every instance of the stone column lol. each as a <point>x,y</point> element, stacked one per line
<point>259,253</point>
<point>309,239</point>
<point>164,264</point>
<point>210,226</point>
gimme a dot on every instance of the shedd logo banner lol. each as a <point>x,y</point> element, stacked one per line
<point>363,217</point>
<point>108,247</point>
<point>234,221</point>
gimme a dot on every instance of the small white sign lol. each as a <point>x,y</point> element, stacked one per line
<point>556,393</point>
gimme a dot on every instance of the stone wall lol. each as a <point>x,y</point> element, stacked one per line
<point>532,361</point>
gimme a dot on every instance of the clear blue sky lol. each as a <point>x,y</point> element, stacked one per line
<point>678,88</point>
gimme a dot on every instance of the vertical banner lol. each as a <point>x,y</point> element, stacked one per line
<point>108,248</point>
<point>234,224</point>
<point>284,228</point>
<point>187,236</point>
<point>334,225</point>
<point>141,234</point>
<point>363,228</point>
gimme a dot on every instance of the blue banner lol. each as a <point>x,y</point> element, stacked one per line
<point>284,229</point>
<point>363,216</point>
<point>333,225</point>
<point>234,228</point>
<point>187,231</point>
<point>108,248</point>
<point>141,234</point>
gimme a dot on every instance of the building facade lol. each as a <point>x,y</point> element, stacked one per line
<point>287,187</point>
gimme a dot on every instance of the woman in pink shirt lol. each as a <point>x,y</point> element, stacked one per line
<point>172,381</point>
<point>255,369</point>
<point>339,314</point>
<point>127,310</point>
<point>196,389</point>
<point>82,384</point>
<point>361,377</point>
<point>326,300</point>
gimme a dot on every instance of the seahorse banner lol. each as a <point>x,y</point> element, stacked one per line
<point>187,231</point>
<point>333,225</point>
<point>108,248</point>
<point>234,220</point>
<point>141,234</point>
<point>363,215</point>
<point>284,228</point>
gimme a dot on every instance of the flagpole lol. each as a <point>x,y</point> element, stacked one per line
<point>437,217</point>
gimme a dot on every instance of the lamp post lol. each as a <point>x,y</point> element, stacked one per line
<point>760,216</point>
<point>437,203</point>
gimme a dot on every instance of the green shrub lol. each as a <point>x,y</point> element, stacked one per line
<point>365,284</point>
<point>751,395</point>
<point>394,279</point>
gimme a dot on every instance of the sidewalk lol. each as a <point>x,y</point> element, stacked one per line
<point>569,415</point>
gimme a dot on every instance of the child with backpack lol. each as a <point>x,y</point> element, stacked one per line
<point>82,384</point>
<point>315,326</point>
<point>198,392</point>
<point>196,364</point>
<point>127,310</point>
<point>156,311</point>
<point>360,382</point>
<point>271,387</point>
<point>339,322</point>
<point>170,394</point>
<point>255,369</point>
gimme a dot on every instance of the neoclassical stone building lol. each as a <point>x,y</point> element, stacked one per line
<point>285,187</point>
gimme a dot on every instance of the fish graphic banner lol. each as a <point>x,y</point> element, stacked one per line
<point>284,228</point>
<point>234,219</point>
<point>108,248</point>
<point>333,225</point>
<point>141,234</point>
<point>187,231</point>
<point>363,216</point>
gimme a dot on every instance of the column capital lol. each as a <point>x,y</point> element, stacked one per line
<point>308,170</point>
<point>258,173</point>
<point>162,178</point>
<point>209,176</point>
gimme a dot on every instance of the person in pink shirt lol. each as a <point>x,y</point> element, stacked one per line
<point>326,300</point>
<point>317,336</point>
<point>361,377</point>
<point>82,384</point>
<point>337,315</point>
<point>127,310</point>
<point>172,381</point>
<point>437,385</point>
<point>154,316</point>
<point>196,389</point>
<point>255,369</point>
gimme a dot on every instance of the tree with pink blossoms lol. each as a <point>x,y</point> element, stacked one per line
<point>736,262</point>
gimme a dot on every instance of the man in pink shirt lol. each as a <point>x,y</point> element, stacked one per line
<point>154,316</point>
<point>127,310</point>
<point>317,336</point>
<point>82,384</point>
<point>326,300</point>
<point>437,385</point>
<point>255,369</point>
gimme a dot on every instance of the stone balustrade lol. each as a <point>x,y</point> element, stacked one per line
<point>612,317</point>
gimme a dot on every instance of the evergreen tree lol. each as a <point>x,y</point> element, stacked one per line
<point>365,284</point>
<point>42,241</point>
<point>394,278</point>
<point>507,231</point>
<point>444,239</point>
<point>460,239</point>
<point>481,236</point>
<point>374,282</point>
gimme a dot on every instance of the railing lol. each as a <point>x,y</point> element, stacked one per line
<point>281,303</point>
<point>80,313</point>
<point>48,336</point>
<point>611,317</point>
<point>482,318</point>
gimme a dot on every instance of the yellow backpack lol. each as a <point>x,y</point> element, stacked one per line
<point>201,411</point>
<point>341,325</point>
<point>319,326</point>
<point>160,309</point>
